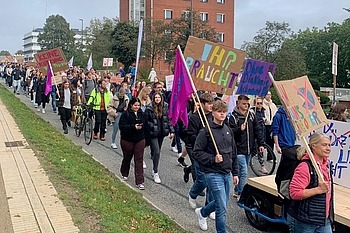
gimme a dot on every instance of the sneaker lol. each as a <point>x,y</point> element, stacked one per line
<point>114,146</point>
<point>201,220</point>
<point>95,136</point>
<point>141,186</point>
<point>173,149</point>
<point>69,124</point>
<point>156,178</point>
<point>103,139</point>
<point>181,161</point>
<point>43,111</point>
<point>31,101</point>
<point>38,109</point>
<point>236,195</point>
<point>187,172</point>
<point>65,131</point>
<point>192,202</point>
<point>54,111</point>
<point>263,170</point>
<point>144,165</point>
<point>125,178</point>
<point>212,215</point>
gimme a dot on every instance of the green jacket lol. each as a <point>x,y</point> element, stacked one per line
<point>96,97</point>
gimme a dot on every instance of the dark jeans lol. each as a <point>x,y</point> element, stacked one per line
<point>192,167</point>
<point>176,139</point>
<point>65,114</point>
<point>156,145</point>
<point>100,122</point>
<point>133,149</point>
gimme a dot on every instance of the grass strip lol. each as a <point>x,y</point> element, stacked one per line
<point>96,199</point>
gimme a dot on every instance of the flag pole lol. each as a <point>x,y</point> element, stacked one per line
<point>195,102</point>
<point>311,155</point>
<point>200,106</point>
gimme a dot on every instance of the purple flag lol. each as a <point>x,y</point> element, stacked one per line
<point>181,91</point>
<point>48,86</point>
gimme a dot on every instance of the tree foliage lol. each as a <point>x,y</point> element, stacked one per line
<point>19,52</point>
<point>57,33</point>
<point>5,53</point>
<point>124,38</point>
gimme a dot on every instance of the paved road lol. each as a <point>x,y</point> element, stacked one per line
<point>171,197</point>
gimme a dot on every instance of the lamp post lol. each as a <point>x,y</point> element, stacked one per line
<point>82,32</point>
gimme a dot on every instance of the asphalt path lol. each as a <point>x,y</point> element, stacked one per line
<point>171,196</point>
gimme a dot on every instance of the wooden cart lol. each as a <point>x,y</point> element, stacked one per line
<point>262,206</point>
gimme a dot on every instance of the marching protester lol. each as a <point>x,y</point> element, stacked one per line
<point>339,113</point>
<point>116,106</point>
<point>311,208</point>
<point>33,86</point>
<point>158,127</point>
<point>246,130</point>
<point>132,141</point>
<point>100,97</point>
<point>16,74</point>
<point>40,98</point>
<point>270,112</point>
<point>144,98</point>
<point>66,103</point>
<point>216,166</point>
<point>88,85</point>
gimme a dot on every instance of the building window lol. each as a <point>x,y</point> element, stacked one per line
<point>203,0</point>
<point>185,14</point>
<point>168,14</point>
<point>220,1</point>
<point>220,37</point>
<point>220,18</point>
<point>204,16</point>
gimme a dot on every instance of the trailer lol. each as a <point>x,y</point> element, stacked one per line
<point>262,206</point>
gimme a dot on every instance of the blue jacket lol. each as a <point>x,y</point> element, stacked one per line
<point>282,128</point>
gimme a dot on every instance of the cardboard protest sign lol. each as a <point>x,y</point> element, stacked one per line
<point>107,62</point>
<point>57,79</point>
<point>31,63</point>
<point>55,56</point>
<point>213,67</point>
<point>255,79</point>
<point>116,80</point>
<point>4,59</point>
<point>301,104</point>
<point>339,133</point>
<point>169,79</point>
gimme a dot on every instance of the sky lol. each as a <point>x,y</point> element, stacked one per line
<point>250,16</point>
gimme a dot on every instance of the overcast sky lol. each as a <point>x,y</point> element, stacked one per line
<point>250,16</point>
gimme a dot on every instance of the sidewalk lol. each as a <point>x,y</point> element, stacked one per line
<point>33,202</point>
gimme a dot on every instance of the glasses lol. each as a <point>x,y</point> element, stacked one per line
<point>259,103</point>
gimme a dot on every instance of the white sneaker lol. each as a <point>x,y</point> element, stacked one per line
<point>125,178</point>
<point>192,202</point>
<point>212,215</point>
<point>173,149</point>
<point>114,146</point>
<point>201,220</point>
<point>179,155</point>
<point>38,109</point>
<point>144,165</point>
<point>43,111</point>
<point>156,178</point>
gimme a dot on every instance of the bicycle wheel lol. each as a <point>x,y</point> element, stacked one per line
<point>77,126</point>
<point>88,130</point>
<point>266,158</point>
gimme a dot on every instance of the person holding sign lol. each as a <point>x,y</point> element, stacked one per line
<point>246,130</point>
<point>312,209</point>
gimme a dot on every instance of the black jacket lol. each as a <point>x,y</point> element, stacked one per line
<point>194,126</point>
<point>16,73</point>
<point>204,151</point>
<point>158,127</point>
<point>127,123</point>
<point>245,139</point>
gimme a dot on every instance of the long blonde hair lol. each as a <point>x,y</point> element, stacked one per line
<point>144,91</point>
<point>314,139</point>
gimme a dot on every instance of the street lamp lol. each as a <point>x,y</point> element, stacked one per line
<point>82,32</point>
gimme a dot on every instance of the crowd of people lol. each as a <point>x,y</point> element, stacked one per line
<point>140,112</point>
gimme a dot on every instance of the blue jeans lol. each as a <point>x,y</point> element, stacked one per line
<point>156,145</point>
<point>53,96</point>
<point>116,126</point>
<point>243,161</point>
<point>199,184</point>
<point>219,187</point>
<point>296,226</point>
<point>17,86</point>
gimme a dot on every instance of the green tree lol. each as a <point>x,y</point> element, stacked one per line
<point>19,52</point>
<point>100,41</point>
<point>268,40</point>
<point>57,33</point>
<point>124,39</point>
<point>5,53</point>
<point>178,31</point>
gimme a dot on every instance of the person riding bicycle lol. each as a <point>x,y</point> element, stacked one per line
<point>66,103</point>
<point>246,130</point>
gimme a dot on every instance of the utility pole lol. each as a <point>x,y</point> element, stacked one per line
<point>82,33</point>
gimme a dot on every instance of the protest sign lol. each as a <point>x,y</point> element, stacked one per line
<point>116,80</point>
<point>339,133</point>
<point>169,79</point>
<point>57,79</point>
<point>4,59</point>
<point>107,62</point>
<point>55,56</point>
<point>213,67</point>
<point>301,104</point>
<point>31,63</point>
<point>255,79</point>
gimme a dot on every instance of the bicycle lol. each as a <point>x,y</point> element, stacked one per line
<point>83,121</point>
<point>258,159</point>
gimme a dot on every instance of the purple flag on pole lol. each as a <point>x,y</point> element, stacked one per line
<point>181,91</point>
<point>48,86</point>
